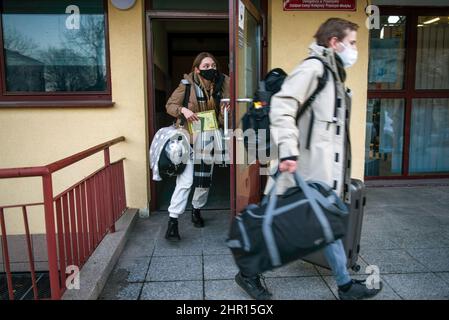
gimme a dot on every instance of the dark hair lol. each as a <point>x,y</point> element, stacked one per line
<point>334,27</point>
<point>200,57</point>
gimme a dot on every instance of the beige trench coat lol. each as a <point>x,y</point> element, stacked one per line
<point>328,159</point>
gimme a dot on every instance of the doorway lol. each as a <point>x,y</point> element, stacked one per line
<point>176,43</point>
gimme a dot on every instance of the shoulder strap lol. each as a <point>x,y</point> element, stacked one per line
<point>185,102</point>
<point>321,84</point>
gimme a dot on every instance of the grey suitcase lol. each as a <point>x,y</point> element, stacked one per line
<point>351,241</point>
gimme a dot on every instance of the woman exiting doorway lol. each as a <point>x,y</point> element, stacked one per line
<point>201,90</point>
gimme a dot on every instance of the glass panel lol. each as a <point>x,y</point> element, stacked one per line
<point>247,175</point>
<point>384,137</point>
<point>432,60</point>
<point>387,54</point>
<point>248,58</point>
<point>197,5</point>
<point>429,142</point>
<point>49,50</point>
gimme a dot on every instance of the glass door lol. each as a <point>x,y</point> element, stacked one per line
<point>245,70</point>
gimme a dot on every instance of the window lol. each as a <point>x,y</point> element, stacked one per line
<point>387,54</point>
<point>54,50</point>
<point>432,61</point>
<point>429,146</point>
<point>384,137</point>
<point>408,98</point>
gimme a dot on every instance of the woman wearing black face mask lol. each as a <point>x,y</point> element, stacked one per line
<point>207,87</point>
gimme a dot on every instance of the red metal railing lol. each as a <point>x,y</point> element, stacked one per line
<point>76,220</point>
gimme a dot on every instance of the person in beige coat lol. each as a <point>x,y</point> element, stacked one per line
<point>207,87</point>
<point>318,145</point>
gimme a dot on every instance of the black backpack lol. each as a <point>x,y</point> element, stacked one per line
<point>257,116</point>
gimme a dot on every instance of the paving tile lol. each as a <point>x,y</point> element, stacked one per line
<point>218,231</point>
<point>419,286</point>
<point>130,270</point>
<point>436,260</point>
<point>377,240</point>
<point>386,293</point>
<point>147,230</point>
<point>417,224</point>
<point>297,268</point>
<point>409,210</point>
<point>137,247</point>
<point>392,261</point>
<point>189,245</point>
<point>178,290</point>
<point>444,276</point>
<point>215,245</point>
<point>305,288</point>
<point>219,267</point>
<point>419,240</point>
<point>224,290</point>
<point>123,291</point>
<point>178,268</point>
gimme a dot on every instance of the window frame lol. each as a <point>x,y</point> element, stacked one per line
<point>56,99</point>
<point>409,91</point>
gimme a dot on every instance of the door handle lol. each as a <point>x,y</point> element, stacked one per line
<point>248,100</point>
<point>226,120</point>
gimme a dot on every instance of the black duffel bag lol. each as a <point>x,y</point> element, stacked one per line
<point>288,227</point>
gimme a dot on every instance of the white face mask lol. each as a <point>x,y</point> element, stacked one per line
<point>348,56</point>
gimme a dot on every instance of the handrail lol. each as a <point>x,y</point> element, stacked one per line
<point>23,172</point>
<point>22,205</point>
<point>61,164</point>
<point>57,165</point>
<point>76,220</point>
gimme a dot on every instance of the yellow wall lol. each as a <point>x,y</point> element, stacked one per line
<point>290,34</point>
<point>32,137</point>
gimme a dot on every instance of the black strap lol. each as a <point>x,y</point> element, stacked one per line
<point>185,102</point>
<point>322,81</point>
<point>321,84</point>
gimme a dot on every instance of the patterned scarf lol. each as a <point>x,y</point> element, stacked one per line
<point>206,141</point>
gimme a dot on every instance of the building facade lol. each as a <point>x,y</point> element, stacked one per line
<point>74,75</point>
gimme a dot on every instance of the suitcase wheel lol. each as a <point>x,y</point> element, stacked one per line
<point>356,267</point>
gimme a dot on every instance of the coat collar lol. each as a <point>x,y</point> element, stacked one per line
<point>328,56</point>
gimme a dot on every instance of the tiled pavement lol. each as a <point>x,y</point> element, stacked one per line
<point>405,233</point>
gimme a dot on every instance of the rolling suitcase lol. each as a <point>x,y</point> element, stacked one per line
<point>351,241</point>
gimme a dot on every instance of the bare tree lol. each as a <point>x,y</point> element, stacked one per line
<point>64,71</point>
<point>15,41</point>
<point>89,42</point>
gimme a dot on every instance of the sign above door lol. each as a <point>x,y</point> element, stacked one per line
<point>320,5</point>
